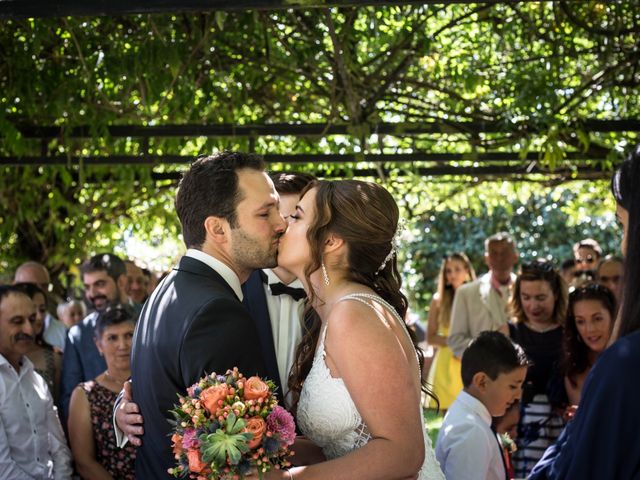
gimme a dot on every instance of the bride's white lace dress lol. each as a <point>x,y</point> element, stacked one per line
<point>328,416</point>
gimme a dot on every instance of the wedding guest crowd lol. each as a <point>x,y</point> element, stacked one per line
<point>530,349</point>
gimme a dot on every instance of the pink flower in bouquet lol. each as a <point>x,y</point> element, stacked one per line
<point>280,422</point>
<point>257,427</point>
<point>189,439</point>
<point>255,389</point>
<point>212,395</point>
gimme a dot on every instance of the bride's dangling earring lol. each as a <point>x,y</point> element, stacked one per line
<point>325,275</point>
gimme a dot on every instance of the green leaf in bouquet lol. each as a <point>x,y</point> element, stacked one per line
<point>231,442</point>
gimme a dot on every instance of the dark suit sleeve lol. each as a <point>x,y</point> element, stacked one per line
<point>221,336</point>
<point>602,441</point>
<point>72,373</point>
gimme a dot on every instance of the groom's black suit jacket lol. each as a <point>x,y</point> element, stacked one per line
<point>193,324</point>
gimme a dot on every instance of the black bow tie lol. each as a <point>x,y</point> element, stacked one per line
<point>280,288</point>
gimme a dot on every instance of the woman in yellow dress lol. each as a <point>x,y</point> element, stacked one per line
<point>444,375</point>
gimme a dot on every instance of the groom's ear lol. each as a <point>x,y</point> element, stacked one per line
<point>216,228</point>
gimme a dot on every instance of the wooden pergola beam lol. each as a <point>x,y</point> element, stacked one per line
<point>333,158</point>
<point>16,9</point>
<point>477,173</point>
<point>309,129</point>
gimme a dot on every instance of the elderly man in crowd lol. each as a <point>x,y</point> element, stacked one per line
<point>482,304</point>
<point>32,443</point>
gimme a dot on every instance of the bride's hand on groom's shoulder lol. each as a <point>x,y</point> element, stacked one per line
<point>128,416</point>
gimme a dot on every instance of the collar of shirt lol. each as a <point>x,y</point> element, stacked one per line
<point>476,406</point>
<point>501,288</point>
<point>25,365</point>
<point>273,278</point>
<point>222,269</point>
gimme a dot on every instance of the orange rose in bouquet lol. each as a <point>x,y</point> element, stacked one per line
<point>257,427</point>
<point>255,389</point>
<point>195,460</point>
<point>212,395</point>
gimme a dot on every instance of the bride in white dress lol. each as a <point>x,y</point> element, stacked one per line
<point>357,380</point>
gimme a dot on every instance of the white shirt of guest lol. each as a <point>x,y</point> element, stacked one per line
<point>467,448</point>
<point>285,314</point>
<point>32,444</point>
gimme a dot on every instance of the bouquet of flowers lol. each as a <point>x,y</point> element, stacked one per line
<point>228,425</point>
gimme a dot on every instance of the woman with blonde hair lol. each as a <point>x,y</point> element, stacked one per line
<point>444,375</point>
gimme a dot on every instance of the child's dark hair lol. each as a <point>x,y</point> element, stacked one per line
<point>492,353</point>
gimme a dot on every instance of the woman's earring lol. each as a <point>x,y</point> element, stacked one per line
<point>325,275</point>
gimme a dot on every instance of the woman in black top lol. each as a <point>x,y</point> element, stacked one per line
<point>539,306</point>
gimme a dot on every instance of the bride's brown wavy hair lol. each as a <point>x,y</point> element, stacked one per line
<point>365,216</point>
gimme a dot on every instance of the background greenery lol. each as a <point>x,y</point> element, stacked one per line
<point>539,70</point>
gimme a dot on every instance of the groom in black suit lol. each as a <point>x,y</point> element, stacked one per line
<point>194,322</point>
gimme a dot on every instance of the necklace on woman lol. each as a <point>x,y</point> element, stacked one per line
<point>113,380</point>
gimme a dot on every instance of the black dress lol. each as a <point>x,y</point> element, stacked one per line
<point>539,425</point>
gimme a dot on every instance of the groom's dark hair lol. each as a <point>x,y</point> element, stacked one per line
<point>210,189</point>
<point>492,353</point>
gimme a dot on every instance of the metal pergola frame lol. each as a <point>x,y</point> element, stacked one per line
<point>44,8</point>
<point>576,164</point>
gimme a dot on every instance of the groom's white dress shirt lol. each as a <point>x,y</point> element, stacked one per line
<point>467,448</point>
<point>32,444</point>
<point>220,268</point>
<point>285,314</point>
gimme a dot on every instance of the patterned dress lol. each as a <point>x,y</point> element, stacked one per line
<point>539,424</point>
<point>119,462</point>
